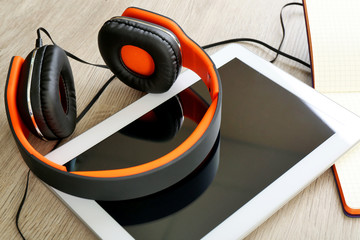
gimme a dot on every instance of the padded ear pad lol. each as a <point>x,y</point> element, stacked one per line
<point>154,40</point>
<point>160,124</point>
<point>51,93</point>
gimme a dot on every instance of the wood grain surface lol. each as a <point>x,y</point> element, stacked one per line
<point>315,213</point>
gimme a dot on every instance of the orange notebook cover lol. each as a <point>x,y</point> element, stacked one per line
<point>333,28</point>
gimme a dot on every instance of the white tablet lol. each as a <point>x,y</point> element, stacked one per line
<point>277,136</point>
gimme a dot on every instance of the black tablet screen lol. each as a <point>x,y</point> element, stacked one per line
<point>265,130</point>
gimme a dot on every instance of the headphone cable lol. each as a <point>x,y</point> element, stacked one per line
<point>283,26</point>
<point>21,205</point>
<point>277,51</point>
<point>39,44</point>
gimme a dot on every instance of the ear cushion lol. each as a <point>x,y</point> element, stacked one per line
<point>160,124</point>
<point>155,40</point>
<point>52,93</point>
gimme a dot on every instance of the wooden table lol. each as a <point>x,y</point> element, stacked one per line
<point>315,213</point>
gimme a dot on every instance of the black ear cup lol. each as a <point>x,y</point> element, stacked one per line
<point>46,94</point>
<point>160,124</point>
<point>162,46</point>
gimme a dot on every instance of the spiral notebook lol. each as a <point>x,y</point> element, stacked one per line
<point>333,28</point>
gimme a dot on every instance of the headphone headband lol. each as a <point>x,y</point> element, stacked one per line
<point>135,181</point>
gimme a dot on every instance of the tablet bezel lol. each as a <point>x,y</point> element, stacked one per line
<point>267,202</point>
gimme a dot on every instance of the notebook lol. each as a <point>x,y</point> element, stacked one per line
<point>333,28</point>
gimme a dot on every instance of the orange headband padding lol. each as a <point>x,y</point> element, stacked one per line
<point>193,56</point>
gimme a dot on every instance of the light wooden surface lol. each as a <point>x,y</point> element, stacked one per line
<point>314,214</point>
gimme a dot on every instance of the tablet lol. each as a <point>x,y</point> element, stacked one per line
<point>277,136</point>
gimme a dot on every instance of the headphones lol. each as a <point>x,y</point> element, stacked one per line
<point>144,50</point>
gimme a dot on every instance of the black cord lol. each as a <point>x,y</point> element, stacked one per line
<point>39,43</point>
<point>21,205</point>
<point>93,100</point>
<point>283,27</point>
<point>234,40</point>
<point>258,42</point>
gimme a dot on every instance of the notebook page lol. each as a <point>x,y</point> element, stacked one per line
<point>348,166</point>
<point>334,36</point>
<point>334,27</point>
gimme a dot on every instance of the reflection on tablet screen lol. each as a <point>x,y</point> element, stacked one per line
<point>265,130</point>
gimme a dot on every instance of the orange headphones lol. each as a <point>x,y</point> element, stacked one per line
<point>144,50</point>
